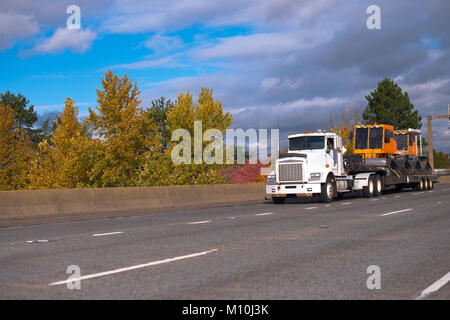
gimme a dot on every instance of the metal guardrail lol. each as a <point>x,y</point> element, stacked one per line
<point>441,172</point>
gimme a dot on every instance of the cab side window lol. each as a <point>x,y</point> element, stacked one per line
<point>330,143</point>
<point>388,136</point>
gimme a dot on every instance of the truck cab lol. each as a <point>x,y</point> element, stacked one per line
<point>311,159</point>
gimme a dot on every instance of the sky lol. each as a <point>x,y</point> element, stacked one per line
<point>286,62</point>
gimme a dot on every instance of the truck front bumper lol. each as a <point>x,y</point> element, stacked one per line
<point>292,190</point>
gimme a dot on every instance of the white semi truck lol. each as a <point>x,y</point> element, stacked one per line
<point>314,165</point>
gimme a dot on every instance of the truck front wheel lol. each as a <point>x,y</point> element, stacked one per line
<point>327,191</point>
<point>278,200</point>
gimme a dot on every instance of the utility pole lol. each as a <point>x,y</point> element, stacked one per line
<point>430,135</point>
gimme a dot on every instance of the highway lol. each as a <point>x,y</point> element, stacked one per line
<point>300,250</point>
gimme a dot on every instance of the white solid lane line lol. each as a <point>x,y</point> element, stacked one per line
<point>199,222</point>
<point>394,212</point>
<point>106,234</point>
<point>264,214</point>
<point>434,287</point>
<point>139,266</point>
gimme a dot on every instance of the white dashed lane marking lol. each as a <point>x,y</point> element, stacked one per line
<point>394,212</point>
<point>199,222</point>
<point>139,266</point>
<point>106,234</point>
<point>434,287</point>
<point>264,214</point>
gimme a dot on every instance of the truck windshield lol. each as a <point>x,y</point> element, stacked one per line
<point>376,138</point>
<point>361,136</point>
<point>306,143</point>
<point>402,141</point>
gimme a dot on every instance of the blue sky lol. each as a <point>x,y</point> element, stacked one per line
<point>298,60</point>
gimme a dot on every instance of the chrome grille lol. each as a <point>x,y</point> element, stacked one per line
<point>290,172</point>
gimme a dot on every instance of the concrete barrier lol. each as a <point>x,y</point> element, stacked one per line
<point>444,180</point>
<point>58,203</point>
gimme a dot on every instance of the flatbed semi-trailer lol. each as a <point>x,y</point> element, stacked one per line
<point>315,165</point>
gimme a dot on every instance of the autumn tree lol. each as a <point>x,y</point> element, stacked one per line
<point>344,123</point>
<point>123,133</point>
<point>182,115</point>
<point>74,152</point>
<point>15,151</point>
<point>389,105</point>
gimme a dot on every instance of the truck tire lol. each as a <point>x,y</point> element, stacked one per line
<point>419,185</point>
<point>426,184</point>
<point>327,190</point>
<point>278,200</point>
<point>378,187</point>
<point>368,191</point>
<point>430,184</point>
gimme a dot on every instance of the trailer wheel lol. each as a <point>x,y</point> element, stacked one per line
<point>430,184</point>
<point>419,185</point>
<point>426,184</point>
<point>377,186</point>
<point>327,190</point>
<point>368,191</point>
<point>278,200</point>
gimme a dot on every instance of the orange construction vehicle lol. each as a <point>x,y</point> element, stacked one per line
<point>409,142</point>
<point>374,141</point>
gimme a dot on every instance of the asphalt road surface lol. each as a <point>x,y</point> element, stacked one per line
<point>397,244</point>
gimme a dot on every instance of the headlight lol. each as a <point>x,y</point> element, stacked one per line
<point>271,179</point>
<point>314,176</point>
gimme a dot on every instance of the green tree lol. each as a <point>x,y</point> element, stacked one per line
<point>158,114</point>
<point>389,105</point>
<point>440,160</point>
<point>25,117</point>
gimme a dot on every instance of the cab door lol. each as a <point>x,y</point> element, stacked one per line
<point>331,155</point>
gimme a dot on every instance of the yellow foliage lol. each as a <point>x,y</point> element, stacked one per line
<point>345,132</point>
<point>15,152</point>
<point>122,133</point>
<point>182,116</point>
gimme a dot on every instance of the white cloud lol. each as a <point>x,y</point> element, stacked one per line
<point>262,44</point>
<point>78,41</point>
<point>15,25</point>
<point>269,83</point>
<point>166,62</point>
<point>132,16</point>
<point>161,43</point>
